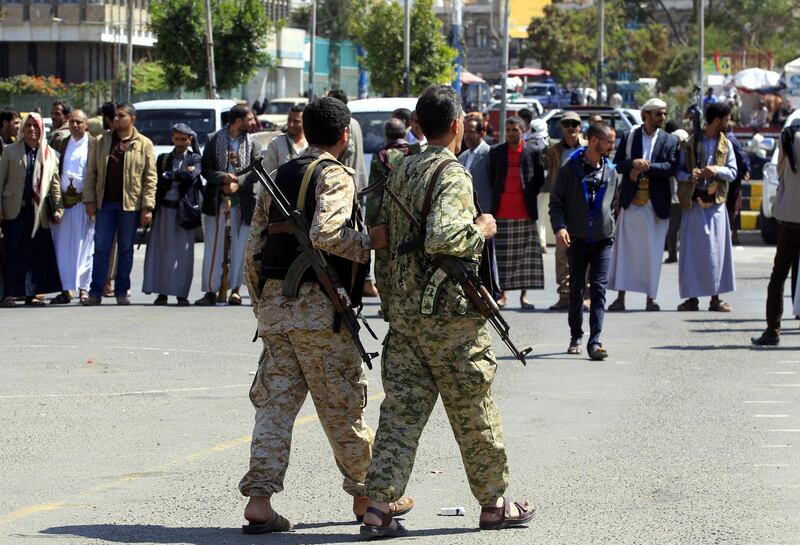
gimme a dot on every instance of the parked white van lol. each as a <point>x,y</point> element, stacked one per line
<point>371,114</point>
<point>155,118</point>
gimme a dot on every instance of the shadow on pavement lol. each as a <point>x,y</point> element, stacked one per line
<point>743,346</point>
<point>151,533</point>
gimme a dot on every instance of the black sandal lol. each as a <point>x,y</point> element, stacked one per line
<point>384,530</point>
<point>277,523</point>
<point>506,520</point>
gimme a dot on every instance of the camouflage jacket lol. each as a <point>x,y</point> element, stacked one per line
<point>377,170</point>
<point>312,310</point>
<point>450,230</point>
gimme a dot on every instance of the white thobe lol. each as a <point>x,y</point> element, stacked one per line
<point>74,236</point>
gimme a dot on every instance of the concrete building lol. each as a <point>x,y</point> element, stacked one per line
<point>76,40</point>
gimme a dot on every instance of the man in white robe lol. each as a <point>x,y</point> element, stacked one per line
<point>74,236</point>
<point>647,158</point>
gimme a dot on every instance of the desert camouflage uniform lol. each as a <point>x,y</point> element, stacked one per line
<point>301,352</point>
<point>448,353</point>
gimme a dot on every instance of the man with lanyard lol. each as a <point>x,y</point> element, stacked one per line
<point>74,236</point>
<point>557,156</point>
<point>304,352</point>
<point>582,214</point>
<point>286,147</point>
<point>229,150</point>
<point>705,263</point>
<point>647,160</point>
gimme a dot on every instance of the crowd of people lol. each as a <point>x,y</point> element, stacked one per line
<point>71,207</point>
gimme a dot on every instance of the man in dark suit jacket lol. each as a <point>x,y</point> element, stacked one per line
<point>647,158</point>
<point>514,204</point>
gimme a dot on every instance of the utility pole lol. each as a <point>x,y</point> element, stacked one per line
<point>407,49</point>
<point>701,23</point>
<point>313,52</point>
<point>212,74</point>
<point>501,136</point>
<point>129,63</point>
<point>601,31</point>
<point>455,43</point>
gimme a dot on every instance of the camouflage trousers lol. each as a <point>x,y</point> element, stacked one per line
<point>422,360</point>
<point>327,365</point>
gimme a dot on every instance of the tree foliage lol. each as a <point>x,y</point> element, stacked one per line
<point>381,34</point>
<point>565,41</point>
<point>241,31</point>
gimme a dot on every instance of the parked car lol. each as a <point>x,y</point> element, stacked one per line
<point>155,118</point>
<point>512,108</point>
<point>621,120</point>
<point>549,94</point>
<point>277,113</point>
<point>371,114</point>
<point>766,221</point>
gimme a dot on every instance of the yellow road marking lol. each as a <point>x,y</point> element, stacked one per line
<point>30,510</point>
<point>132,477</point>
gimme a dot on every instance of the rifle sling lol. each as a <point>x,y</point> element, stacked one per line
<point>418,242</point>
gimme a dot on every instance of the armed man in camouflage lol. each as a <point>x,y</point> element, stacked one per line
<point>439,347</point>
<point>303,350</point>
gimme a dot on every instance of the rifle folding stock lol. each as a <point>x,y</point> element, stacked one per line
<point>295,223</point>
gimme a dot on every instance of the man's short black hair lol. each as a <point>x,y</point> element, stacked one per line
<point>297,108</point>
<point>403,114</point>
<point>394,129</point>
<point>338,94</point>
<point>716,110</point>
<point>66,109</point>
<point>437,107</point>
<point>601,129</point>
<point>8,116</point>
<point>108,109</point>
<point>671,126</point>
<point>129,109</point>
<point>239,111</point>
<point>324,121</point>
<point>526,115</point>
<point>516,120</point>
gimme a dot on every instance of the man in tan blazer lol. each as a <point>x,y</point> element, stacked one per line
<point>120,190</point>
<point>30,198</point>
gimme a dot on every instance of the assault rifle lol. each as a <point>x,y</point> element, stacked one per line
<point>296,224</point>
<point>455,268</point>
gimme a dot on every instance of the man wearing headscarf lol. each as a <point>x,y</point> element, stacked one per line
<point>30,198</point>
<point>74,236</point>
<point>647,158</point>
<point>227,199</point>
<point>169,260</point>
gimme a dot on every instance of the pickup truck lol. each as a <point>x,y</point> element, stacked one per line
<point>550,95</point>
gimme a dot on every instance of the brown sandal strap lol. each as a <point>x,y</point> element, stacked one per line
<point>386,518</point>
<point>494,510</point>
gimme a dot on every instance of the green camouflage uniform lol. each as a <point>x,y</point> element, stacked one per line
<point>447,353</point>
<point>301,352</point>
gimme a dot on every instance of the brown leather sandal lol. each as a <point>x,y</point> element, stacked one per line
<point>526,513</point>
<point>720,306</point>
<point>384,530</point>
<point>396,508</point>
<point>276,523</point>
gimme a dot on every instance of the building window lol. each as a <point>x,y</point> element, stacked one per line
<point>481,40</point>
<point>33,59</point>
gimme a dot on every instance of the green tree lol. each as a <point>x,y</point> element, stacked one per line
<point>241,31</point>
<point>565,42</point>
<point>381,34</point>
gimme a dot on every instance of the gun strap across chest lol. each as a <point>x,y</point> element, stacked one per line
<point>418,242</point>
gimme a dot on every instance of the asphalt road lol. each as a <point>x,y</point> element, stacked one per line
<point>131,425</point>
